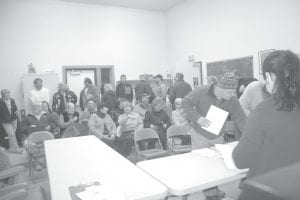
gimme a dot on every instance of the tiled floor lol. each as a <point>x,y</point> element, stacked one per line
<point>40,179</point>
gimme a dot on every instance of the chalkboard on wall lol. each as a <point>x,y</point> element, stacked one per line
<point>243,67</point>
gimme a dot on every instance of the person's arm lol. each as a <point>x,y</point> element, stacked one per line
<point>118,91</point>
<point>172,94</point>
<point>123,119</point>
<point>113,126</point>
<point>238,115</point>
<point>55,100</point>
<point>147,120</point>
<point>245,100</point>
<point>64,124</point>
<point>164,91</point>
<point>176,119</point>
<point>166,119</point>
<point>188,104</point>
<point>74,97</point>
<point>131,92</point>
<point>92,126</point>
<point>248,149</point>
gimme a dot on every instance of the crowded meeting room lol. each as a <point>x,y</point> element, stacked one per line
<point>149,100</point>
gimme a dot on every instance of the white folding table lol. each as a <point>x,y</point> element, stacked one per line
<point>191,172</point>
<point>86,158</point>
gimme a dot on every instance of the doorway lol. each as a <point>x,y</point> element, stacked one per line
<point>99,74</point>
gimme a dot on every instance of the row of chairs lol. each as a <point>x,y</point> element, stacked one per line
<point>36,144</point>
<point>173,133</point>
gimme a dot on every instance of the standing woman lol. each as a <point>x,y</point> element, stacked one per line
<point>8,117</point>
<point>271,137</point>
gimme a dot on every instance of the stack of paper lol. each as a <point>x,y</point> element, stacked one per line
<point>226,153</point>
<point>102,192</point>
<point>217,118</point>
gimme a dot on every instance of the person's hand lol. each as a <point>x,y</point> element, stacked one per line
<point>112,136</point>
<point>47,128</point>
<point>75,119</point>
<point>165,126</point>
<point>203,122</point>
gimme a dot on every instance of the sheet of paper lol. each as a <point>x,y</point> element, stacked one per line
<point>101,192</point>
<point>217,117</point>
<point>226,153</point>
<point>206,152</point>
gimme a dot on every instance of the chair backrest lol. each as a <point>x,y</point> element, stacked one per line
<point>176,130</point>
<point>145,133</point>
<point>39,136</point>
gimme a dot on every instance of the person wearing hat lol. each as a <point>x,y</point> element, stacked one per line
<point>178,89</point>
<point>222,95</point>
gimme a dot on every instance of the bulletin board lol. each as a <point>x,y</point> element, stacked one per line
<point>243,67</point>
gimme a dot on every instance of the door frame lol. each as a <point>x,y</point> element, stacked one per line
<point>96,68</point>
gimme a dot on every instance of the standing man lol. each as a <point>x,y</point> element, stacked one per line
<point>124,89</point>
<point>178,89</point>
<point>39,93</point>
<point>197,103</point>
<point>90,91</point>
<point>161,89</point>
<point>143,87</point>
<point>62,97</point>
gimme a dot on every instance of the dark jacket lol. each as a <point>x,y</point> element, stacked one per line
<point>141,88</point>
<point>110,100</point>
<point>92,92</point>
<point>58,104</point>
<point>179,89</point>
<point>270,140</point>
<point>124,90</point>
<point>197,103</point>
<point>32,124</point>
<point>156,118</point>
<point>5,115</point>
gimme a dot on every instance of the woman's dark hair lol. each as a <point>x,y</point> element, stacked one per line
<point>101,106</point>
<point>286,66</point>
<point>88,80</point>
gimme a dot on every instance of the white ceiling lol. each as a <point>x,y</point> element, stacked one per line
<point>158,5</point>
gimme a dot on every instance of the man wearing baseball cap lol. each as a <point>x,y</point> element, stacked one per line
<point>222,95</point>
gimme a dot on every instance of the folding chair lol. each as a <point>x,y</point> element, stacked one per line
<point>13,190</point>
<point>36,146</point>
<point>144,134</point>
<point>173,134</point>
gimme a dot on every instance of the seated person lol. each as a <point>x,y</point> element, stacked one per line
<point>69,122</point>
<point>53,119</point>
<point>37,120</point>
<point>129,122</point>
<point>143,106</point>
<point>88,111</point>
<point>102,126</point>
<point>159,120</point>
<point>179,118</point>
<point>119,110</point>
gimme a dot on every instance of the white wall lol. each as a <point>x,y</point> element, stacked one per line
<point>215,30</point>
<point>51,34</point>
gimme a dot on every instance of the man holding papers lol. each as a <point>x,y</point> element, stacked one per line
<point>208,108</point>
